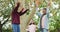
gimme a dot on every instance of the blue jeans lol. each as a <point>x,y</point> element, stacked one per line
<point>16,27</point>
<point>44,30</point>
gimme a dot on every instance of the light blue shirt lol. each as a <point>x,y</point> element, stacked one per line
<point>46,20</point>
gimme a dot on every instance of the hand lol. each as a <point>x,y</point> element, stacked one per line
<point>42,26</point>
<point>24,10</point>
<point>17,4</point>
<point>27,9</point>
<point>49,4</point>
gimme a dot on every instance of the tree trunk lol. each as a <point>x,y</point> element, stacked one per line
<point>22,5</point>
<point>26,19</point>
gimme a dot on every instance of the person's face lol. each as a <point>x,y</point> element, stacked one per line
<point>44,11</point>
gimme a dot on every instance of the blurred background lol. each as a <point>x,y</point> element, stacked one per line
<point>6,7</point>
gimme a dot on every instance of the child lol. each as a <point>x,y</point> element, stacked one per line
<point>31,27</point>
<point>44,20</point>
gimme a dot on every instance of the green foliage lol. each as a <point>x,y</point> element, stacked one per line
<point>7,5</point>
<point>6,30</point>
<point>5,12</point>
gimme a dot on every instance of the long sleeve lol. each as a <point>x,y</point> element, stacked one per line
<point>39,14</point>
<point>16,8</point>
<point>21,13</point>
<point>47,12</point>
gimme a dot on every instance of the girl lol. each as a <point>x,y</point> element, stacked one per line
<point>31,27</point>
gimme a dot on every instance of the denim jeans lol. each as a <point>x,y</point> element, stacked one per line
<point>16,27</point>
<point>44,30</point>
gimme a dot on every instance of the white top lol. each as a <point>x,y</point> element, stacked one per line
<point>45,22</point>
<point>32,28</point>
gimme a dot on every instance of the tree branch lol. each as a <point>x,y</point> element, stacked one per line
<point>5,21</point>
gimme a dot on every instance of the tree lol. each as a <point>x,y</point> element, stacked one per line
<point>7,5</point>
<point>5,11</point>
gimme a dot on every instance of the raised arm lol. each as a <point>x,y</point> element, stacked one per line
<point>16,7</point>
<point>48,6</point>
<point>23,11</point>
<point>38,13</point>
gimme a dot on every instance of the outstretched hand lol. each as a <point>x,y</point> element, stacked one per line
<point>49,3</point>
<point>25,10</point>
